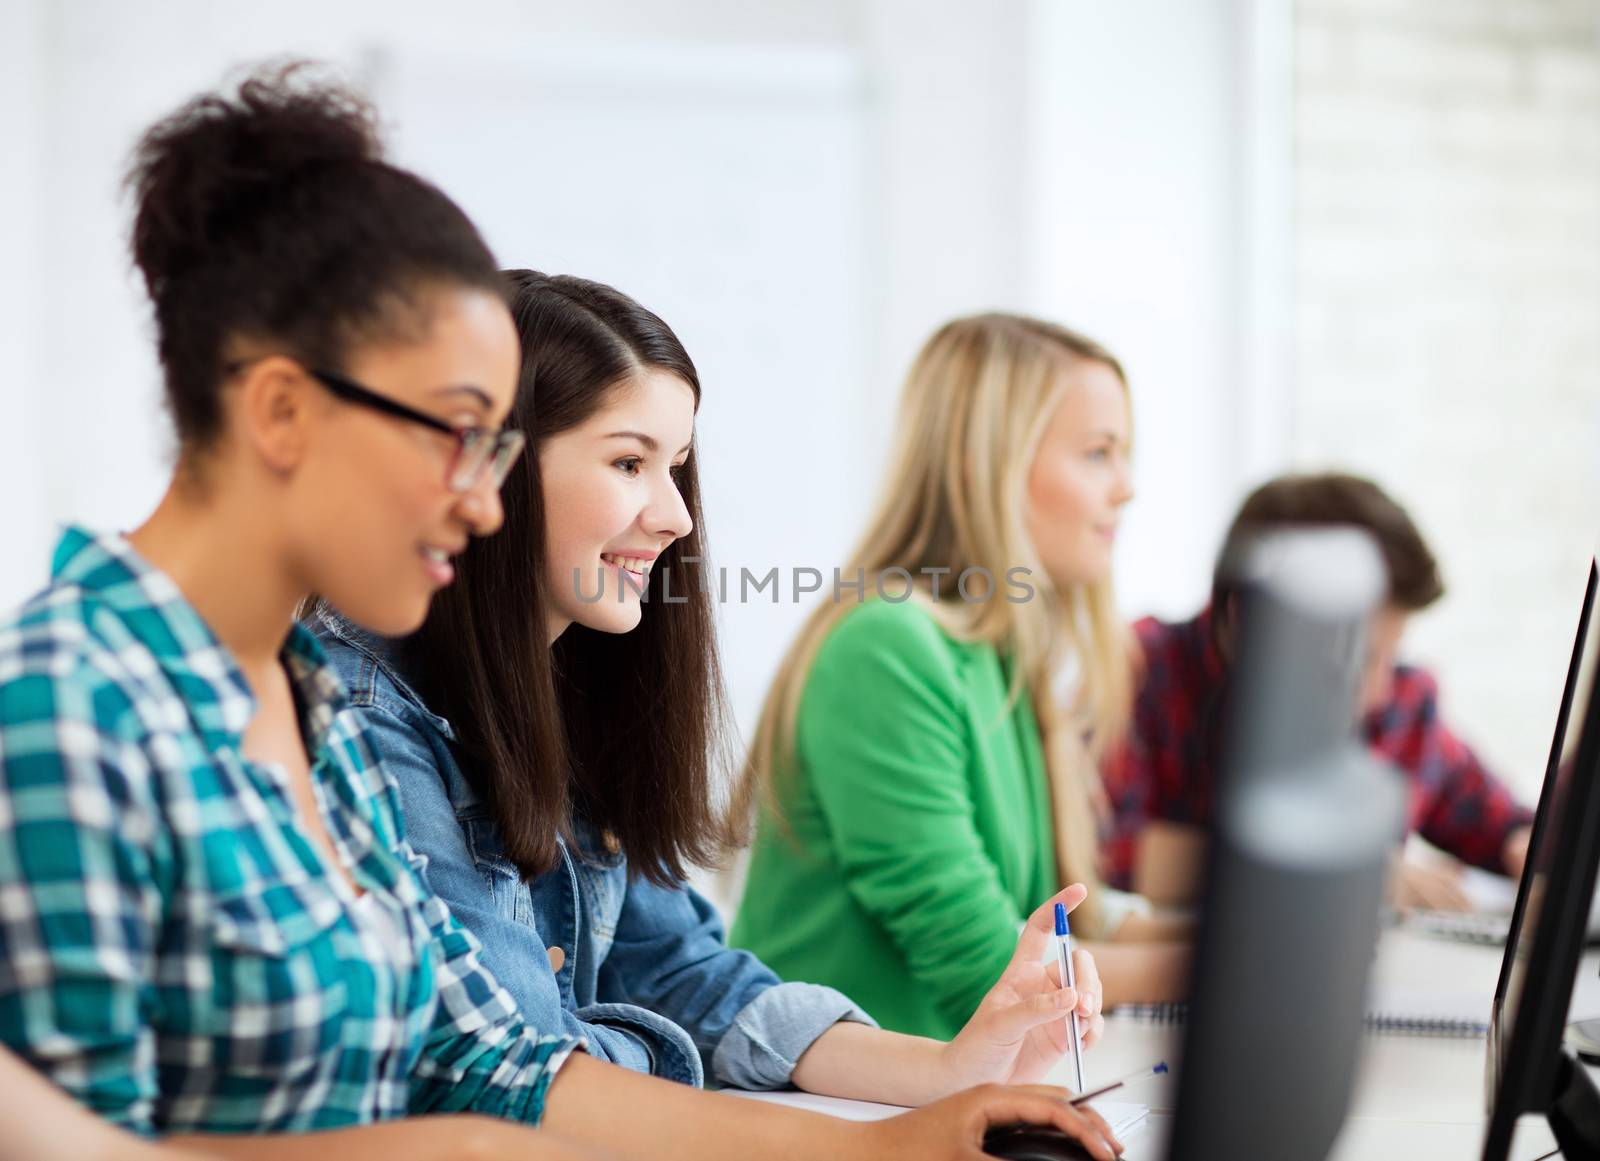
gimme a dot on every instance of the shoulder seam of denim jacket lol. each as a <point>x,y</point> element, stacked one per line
<point>371,647</point>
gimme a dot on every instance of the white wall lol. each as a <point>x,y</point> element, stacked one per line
<point>1060,158</point>
<point>1448,290</point>
<point>1138,167</point>
<point>23,370</point>
<point>803,301</point>
<point>83,78</point>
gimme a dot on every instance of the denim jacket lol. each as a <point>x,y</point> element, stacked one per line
<point>647,979</point>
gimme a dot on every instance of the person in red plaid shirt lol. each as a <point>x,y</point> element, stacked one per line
<point>1160,783</point>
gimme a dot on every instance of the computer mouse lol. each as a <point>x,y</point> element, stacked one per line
<point>1033,1143</point>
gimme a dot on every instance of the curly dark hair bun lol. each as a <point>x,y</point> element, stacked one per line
<point>268,210</point>
<point>201,174</point>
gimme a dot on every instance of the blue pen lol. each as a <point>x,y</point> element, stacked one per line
<point>1158,1069</point>
<point>1064,957</point>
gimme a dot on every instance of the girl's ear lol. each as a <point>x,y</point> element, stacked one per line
<point>274,407</point>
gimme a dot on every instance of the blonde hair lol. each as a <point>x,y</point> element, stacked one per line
<point>972,415</point>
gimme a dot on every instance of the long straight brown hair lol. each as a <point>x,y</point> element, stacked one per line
<point>620,729</point>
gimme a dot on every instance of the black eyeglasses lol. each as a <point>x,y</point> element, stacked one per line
<point>480,449</point>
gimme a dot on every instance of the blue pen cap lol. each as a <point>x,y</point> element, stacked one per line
<point>1061,920</point>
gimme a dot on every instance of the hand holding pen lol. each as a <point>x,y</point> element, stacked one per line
<point>1019,1033</point>
<point>1069,978</point>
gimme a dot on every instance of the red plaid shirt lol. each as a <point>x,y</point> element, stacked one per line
<point>1166,769</point>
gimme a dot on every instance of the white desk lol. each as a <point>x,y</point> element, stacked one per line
<point>1414,1095</point>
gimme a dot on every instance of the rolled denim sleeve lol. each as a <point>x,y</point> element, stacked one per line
<point>772,1032</point>
<point>670,955</point>
<point>666,1050</point>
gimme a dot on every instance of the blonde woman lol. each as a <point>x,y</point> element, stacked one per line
<point>925,763</point>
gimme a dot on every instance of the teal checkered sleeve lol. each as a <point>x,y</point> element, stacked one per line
<point>174,950</point>
<point>79,898</point>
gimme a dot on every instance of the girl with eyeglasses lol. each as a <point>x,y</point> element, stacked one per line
<point>214,928</point>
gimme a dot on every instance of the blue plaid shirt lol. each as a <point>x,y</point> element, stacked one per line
<point>173,950</point>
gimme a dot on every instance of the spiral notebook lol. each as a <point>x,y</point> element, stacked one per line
<point>1404,1012</point>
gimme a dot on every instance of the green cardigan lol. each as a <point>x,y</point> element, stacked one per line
<point>919,827</point>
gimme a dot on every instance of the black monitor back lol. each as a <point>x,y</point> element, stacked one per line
<point>1526,1071</point>
<point>1306,823</point>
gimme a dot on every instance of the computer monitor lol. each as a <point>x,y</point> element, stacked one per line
<point>1527,1071</point>
<point>1306,823</point>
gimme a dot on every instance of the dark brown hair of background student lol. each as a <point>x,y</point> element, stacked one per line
<point>270,214</point>
<point>621,729</point>
<point>1337,498</point>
